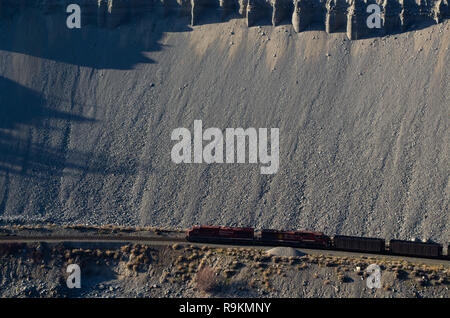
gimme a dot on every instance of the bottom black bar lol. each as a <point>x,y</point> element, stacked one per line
<point>219,307</point>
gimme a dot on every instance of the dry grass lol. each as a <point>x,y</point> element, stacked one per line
<point>302,266</point>
<point>206,279</point>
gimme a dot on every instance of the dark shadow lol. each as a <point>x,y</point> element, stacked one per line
<point>23,106</point>
<point>106,42</point>
<point>235,288</point>
<point>95,274</point>
<point>300,253</point>
<point>97,45</point>
<point>315,26</point>
<point>401,274</point>
<point>212,15</point>
<point>426,22</point>
<point>287,18</point>
<point>347,279</point>
<point>23,112</point>
<point>261,16</point>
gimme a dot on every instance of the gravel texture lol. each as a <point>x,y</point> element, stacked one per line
<point>86,118</point>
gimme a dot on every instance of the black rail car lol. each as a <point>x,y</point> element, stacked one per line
<point>419,249</point>
<point>359,244</point>
<point>296,238</point>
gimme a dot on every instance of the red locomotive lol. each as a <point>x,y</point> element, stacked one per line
<point>220,234</point>
<point>247,235</point>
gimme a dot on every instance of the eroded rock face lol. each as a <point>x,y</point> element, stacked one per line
<point>391,15</point>
<point>228,6</point>
<point>304,14</point>
<point>336,15</point>
<point>282,9</point>
<point>331,15</point>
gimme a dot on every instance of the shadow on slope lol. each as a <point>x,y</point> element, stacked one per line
<point>25,124</point>
<point>46,36</point>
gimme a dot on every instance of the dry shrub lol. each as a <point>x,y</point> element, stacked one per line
<point>235,265</point>
<point>125,248</point>
<point>206,279</point>
<point>276,259</point>
<point>302,266</point>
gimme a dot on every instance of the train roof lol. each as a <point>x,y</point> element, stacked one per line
<point>358,237</point>
<point>293,232</point>
<point>215,227</point>
<point>413,242</point>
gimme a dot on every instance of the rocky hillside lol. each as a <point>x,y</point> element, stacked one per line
<point>86,117</point>
<point>121,270</point>
<point>332,15</point>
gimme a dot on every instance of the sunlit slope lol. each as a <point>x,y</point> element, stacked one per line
<point>87,118</point>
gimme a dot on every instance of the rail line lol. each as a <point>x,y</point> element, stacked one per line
<point>173,240</point>
<point>88,238</point>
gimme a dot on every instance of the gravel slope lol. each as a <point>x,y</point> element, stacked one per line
<point>87,115</point>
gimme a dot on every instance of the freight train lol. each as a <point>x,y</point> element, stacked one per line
<point>318,240</point>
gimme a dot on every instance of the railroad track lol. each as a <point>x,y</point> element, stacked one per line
<point>165,240</point>
<point>88,238</point>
